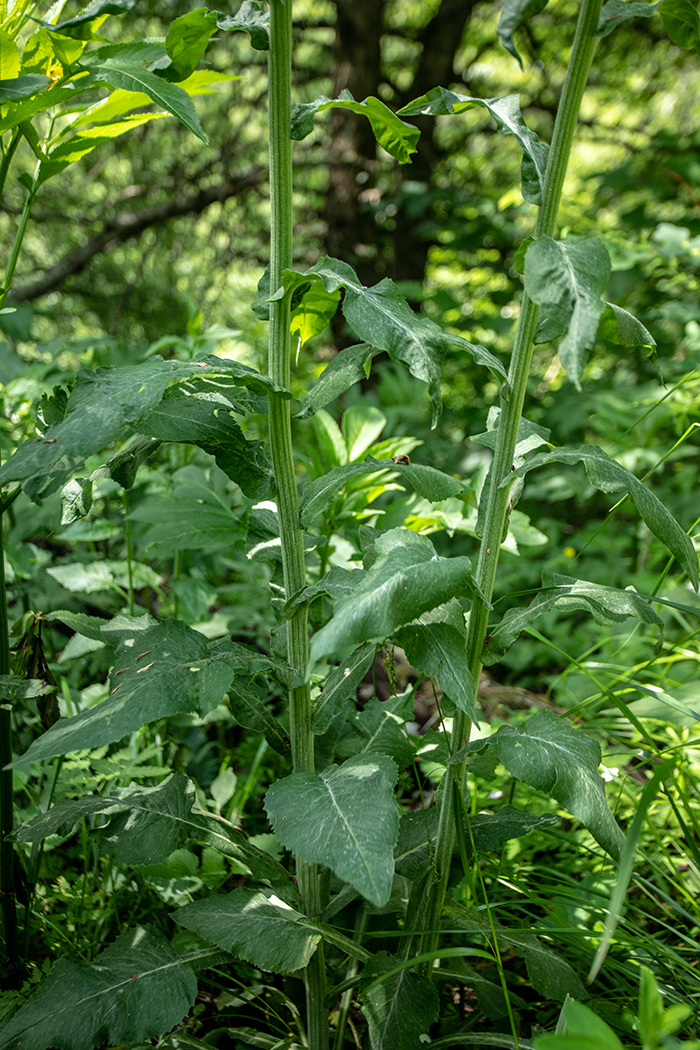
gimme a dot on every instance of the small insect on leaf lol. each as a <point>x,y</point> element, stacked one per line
<point>400,459</point>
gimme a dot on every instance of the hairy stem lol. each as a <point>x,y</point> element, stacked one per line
<point>512,398</point>
<point>294,568</point>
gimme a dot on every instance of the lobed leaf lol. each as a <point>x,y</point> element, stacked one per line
<point>265,931</point>
<point>609,476</point>
<point>345,818</point>
<point>428,482</point>
<point>407,579</point>
<point>396,137</point>
<point>567,278</point>
<point>607,605</point>
<point>135,990</point>
<point>509,121</point>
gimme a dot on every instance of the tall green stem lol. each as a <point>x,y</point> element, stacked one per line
<point>512,398</point>
<point>293,564</point>
<point>17,245</point>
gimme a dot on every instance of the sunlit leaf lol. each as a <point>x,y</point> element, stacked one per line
<point>396,137</point>
<point>251,18</point>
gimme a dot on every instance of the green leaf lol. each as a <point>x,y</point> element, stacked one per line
<point>428,482</point>
<point>168,669</point>
<point>617,11</point>
<point>76,500</point>
<point>382,318</point>
<point>250,711</point>
<point>24,110</point>
<point>13,688</point>
<point>187,41</point>
<point>79,27</point>
<point>607,605</point>
<point>264,931</point>
<point>436,645</point>
<point>682,23</point>
<point>513,14</point>
<point>550,755</point>
<point>251,18</point>
<point>134,990</point>
<point>391,133</point>
<point>399,1009</point>
<point>509,121</point>
<point>211,426</point>
<point>22,87</point>
<point>406,579</point>
<point>337,583</point>
<point>380,729</point>
<point>583,1030</point>
<point>345,818</point>
<point>94,576</point>
<point>567,278</point>
<point>128,76</point>
<point>609,476</point>
<point>621,328</point>
<point>348,367</point>
<point>147,824</point>
<point>342,684</point>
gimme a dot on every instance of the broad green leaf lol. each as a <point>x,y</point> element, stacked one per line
<point>313,314</point>
<point>428,482</point>
<point>399,1009</point>
<point>380,729</point>
<point>682,23</point>
<point>94,576</point>
<point>129,76</point>
<point>609,476</point>
<point>361,427</point>
<point>134,990</point>
<point>407,579</point>
<point>584,1030</point>
<point>79,27</point>
<point>617,11</point>
<point>211,426</point>
<point>13,688</point>
<point>342,684</point>
<point>509,121</point>
<point>187,41</point>
<point>345,818</point>
<point>606,604</point>
<point>22,87</point>
<point>251,18</point>
<point>550,755</point>
<point>250,711</point>
<point>439,649</point>
<point>513,14</point>
<point>567,278</point>
<point>264,931</point>
<point>112,632</point>
<point>9,59</point>
<point>348,367</point>
<point>382,318</point>
<point>622,328</point>
<point>147,824</point>
<point>337,583</point>
<point>168,669</point>
<point>391,133</point>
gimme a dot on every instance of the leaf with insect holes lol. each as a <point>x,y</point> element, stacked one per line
<point>607,605</point>
<point>147,824</point>
<point>168,669</point>
<point>428,482</point>
<point>392,134</point>
<point>509,121</point>
<point>382,318</point>
<point>567,279</point>
<point>133,991</point>
<point>607,475</point>
<point>264,931</point>
<point>399,1008</point>
<point>406,579</point>
<point>345,818</point>
<point>552,756</point>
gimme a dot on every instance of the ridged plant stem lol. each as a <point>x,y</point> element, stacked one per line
<point>512,399</point>
<point>293,564</point>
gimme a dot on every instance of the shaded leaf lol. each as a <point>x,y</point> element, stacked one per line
<point>348,367</point>
<point>509,121</point>
<point>337,583</point>
<point>396,137</point>
<point>406,579</point>
<point>22,87</point>
<point>609,476</point>
<point>621,328</point>
<point>345,818</point>
<point>567,278</point>
<point>13,688</point>
<point>617,11</point>
<point>513,14</point>
<point>439,649</point>
<point>399,1009</point>
<point>550,755</point>
<point>250,711</point>
<point>606,604</point>
<point>79,27</point>
<point>251,18</point>
<point>381,730</point>
<point>134,990</point>
<point>342,684</point>
<point>264,931</point>
<point>428,482</point>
